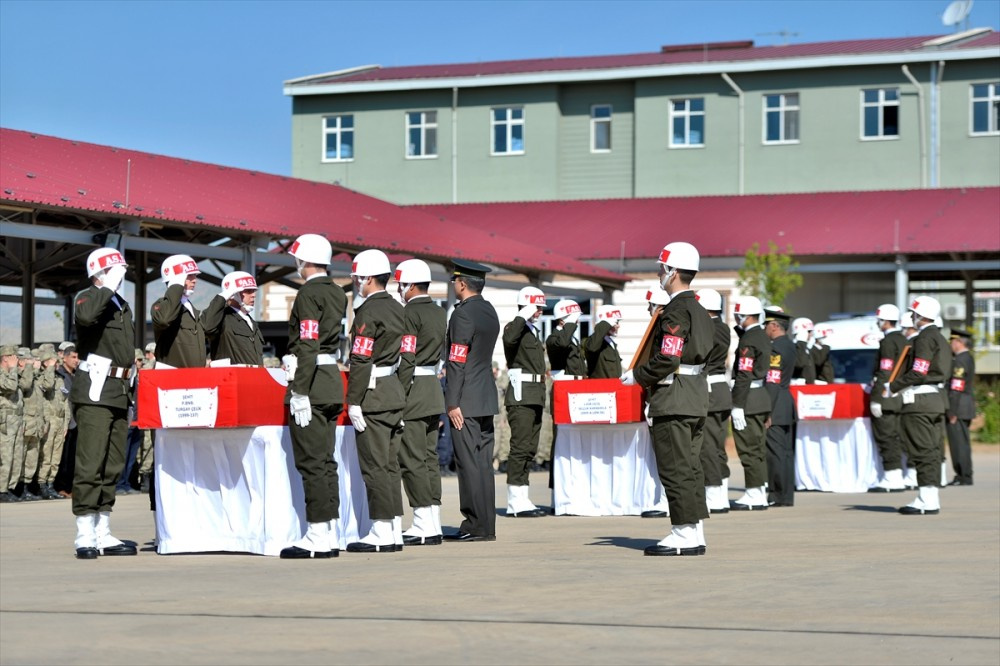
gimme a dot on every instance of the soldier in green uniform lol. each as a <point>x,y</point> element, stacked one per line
<point>233,335</point>
<point>924,403</point>
<point>525,398</point>
<point>678,400</point>
<point>375,400</point>
<point>58,418</point>
<point>424,324</point>
<point>655,300</point>
<point>780,437</point>
<point>885,410</point>
<point>11,421</point>
<point>315,394</point>
<point>714,461</point>
<point>821,356</point>
<point>100,397</point>
<point>805,371</point>
<point>177,330</point>
<point>751,404</point>
<point>961,406</point>
<point>566,360</point>
<point>600,348</point>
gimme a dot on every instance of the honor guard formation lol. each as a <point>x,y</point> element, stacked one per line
<point>417,374</point>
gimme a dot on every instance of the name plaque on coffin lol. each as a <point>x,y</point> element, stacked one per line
<point>596,401</point>
<point>830,401</point>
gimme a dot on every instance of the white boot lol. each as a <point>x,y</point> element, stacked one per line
<point>512,500</point>
<point>725,491</point>
<point>316,543</point>
<point>397,532</point>
<point>910,480</point>
<point>944,473</point>
<point>715,499</point>
<point>425,530</point>
<point>334,527</point>
<point>436,512</point>
<point>682,540</point>
<point>107,544</point>
<point>526,499</point>
<point>379,540</point>
<point>927,502</point>
<point>754,499</point>
<point>86,540</point>
<point>701,535</point>
<point>894,480</point>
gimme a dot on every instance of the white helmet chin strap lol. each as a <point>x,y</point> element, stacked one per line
<point>298,266</point>
<point>665,279</point>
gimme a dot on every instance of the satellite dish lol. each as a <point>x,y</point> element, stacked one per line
<point>956,12</point>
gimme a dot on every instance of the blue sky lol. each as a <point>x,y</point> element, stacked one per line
<point>203,80</point>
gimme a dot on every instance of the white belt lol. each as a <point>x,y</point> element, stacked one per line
<point>384,371</point>
<point>717,379</point>
<point>682,369</point>
<point>424,370</point>
<point>926,388</point>
<point>326,359</point>
<point>537,379</point>
<point>113,371</point>
<point>757,383</point>
<point>560,375</point>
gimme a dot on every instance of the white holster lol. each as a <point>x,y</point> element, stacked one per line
<point>97,368</point>
<point>514,375</point>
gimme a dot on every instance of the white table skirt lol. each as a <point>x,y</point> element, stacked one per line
<point>837,456</point>
<point>605,470</point>
<point>237,489</point>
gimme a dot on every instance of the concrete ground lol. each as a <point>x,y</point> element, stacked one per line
<point>838,579</point>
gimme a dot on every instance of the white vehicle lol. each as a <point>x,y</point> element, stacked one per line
<point>853,347</point>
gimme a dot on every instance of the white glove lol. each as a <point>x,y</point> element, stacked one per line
<point>867,388</point>
<point>820,382</point>
<point>739,418</point>
<point>301,409</point>
<point>573,317</point>
<point>628,379</point>
<point>177,278</point>
<point>113,277</point>
<point>357,418</point>
<point>876,409</point>
<point>886,392</point>
<point>798,382</point>
<point>229,293</point>
<point>291,362</point>
<point>802,337</point>
<point>527,312</point>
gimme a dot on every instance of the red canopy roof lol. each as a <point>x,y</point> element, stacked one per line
<point>59,173</point>
<point>825,223</point>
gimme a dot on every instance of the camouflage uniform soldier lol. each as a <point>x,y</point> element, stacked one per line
<point>11,418</point>
<point>57,414</point>
<point>35,427</point>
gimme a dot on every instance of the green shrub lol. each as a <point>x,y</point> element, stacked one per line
<point>989,407</point>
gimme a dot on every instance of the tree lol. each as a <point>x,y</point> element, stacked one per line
<point>769,276</point>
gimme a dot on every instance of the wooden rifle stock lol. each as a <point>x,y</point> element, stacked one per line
<point>899,364</point>
<point>645,345</point>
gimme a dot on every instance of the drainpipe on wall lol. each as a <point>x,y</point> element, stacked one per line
<point>454,144</point>
<point>936,138</point>
<point>920,123</point>
<point>739,94</point>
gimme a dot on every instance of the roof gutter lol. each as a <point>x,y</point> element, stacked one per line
<point>920,122</point>
<point>742,137</point>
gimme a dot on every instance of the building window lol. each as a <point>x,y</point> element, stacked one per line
<point>338,138</point>
<point>507,126</point>
<point>600,128</point>
<point>781,118</point>
<point>986,108</point>
<point>421,134</point>
<point>880,113</point>
<point>687,122</point>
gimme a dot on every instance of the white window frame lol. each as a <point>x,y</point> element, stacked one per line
<point>509,121</point>
<point>992,98</point>
<point>339,131</point>
<point>687,114</point>
<point>881,103</point>
<point>595,121</point>
<point>424,126</point>
<point>782,109</point>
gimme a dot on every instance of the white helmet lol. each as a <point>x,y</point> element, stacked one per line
<point>710,299</point>
<point>609,313</point>
<point>887,312</point>
<point>657,296</point>
<point>564,308</point>
<point>413,271</point>
<point>176,264</point>
<point>680,255</point>
<point>312,248</point>
<point>906,320</point>
<point>238,281</point>
<point>370,262</point>
<point>802,325</point>
<point>926,307</point>
<point>531,296</point>
<point>103,258</point>
<point>748,306</point>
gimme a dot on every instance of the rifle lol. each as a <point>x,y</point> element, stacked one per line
<point>646,343</point>
<point>899,363</point>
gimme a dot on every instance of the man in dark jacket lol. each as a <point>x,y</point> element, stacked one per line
<point>751,404</point>
<point>601,347</point>
<point>780,438</point>
<point>714,461</point>
<point>233,335</point>
<point>961,406</point>
<point>177,329</point>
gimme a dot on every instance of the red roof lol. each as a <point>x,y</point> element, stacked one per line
<point>826,223</point>
<point>689,53</point>
<point>59,173</point>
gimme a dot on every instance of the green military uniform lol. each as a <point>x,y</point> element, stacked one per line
<point>314,327</point>
<point>424,324</point>
<point>376,337</point>
<point>886,429</point>
<point>501,428</point>
<point>57,413</point>
<point>565,358</point>
<point>678,402</point>
<point>753,356</point>
<point>36,422</point>
<point>104,328</point>
<point>821,361</point>
<point>924,403</point>
<point>780,437</point>
<point>714,462</point>
<point>179,334</point>
<point>232,334</point>
<point>524,352</point>
<point>11,425</point>
<point>961,411</point>
<point>603,359</point>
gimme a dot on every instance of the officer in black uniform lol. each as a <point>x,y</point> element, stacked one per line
<point>177,329</point>
<point>780,438</point>
<point>524,399</point>
<point>375,400</point>
<point>471,400</point>
<point>315,394</point>
<point>233,335</point>
<point>961,406</point>
<point>714,461</point>
<point>921,388</point>
<point>424,327</point>
<point>885,410</point>
<point>678,399</point>
<point>100,397</point>
<point>751,404</point>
